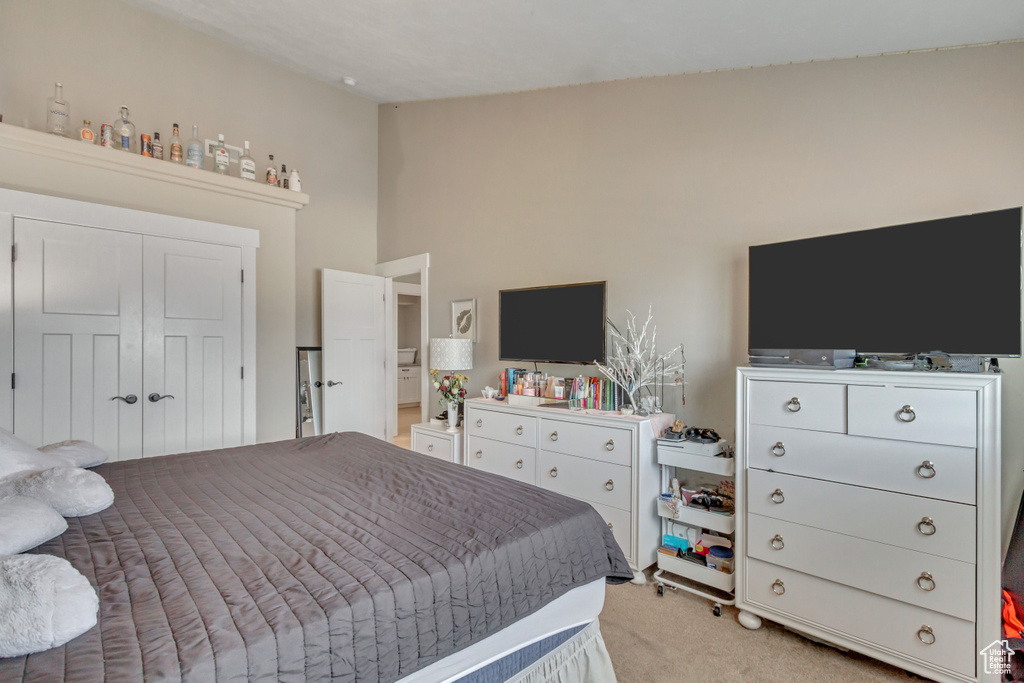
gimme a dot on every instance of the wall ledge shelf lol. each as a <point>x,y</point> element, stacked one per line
<point>27,141</point>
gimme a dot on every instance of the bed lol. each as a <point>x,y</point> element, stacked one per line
<point>336,557</point>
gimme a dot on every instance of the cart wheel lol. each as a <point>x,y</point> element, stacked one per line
<point>717,609</point>
<point>661,590</point>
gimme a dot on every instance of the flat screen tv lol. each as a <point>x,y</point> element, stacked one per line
<point>951,285</point>
<point>558,324</point>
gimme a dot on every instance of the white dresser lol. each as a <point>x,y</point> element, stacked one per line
<point>868,512</point>
<point>606,460</point>
<point>437,441</point>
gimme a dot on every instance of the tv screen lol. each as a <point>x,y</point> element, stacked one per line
<point>559,324</point>
<point>951,285</point>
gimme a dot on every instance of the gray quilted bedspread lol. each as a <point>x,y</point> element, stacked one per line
<point>338,557</point>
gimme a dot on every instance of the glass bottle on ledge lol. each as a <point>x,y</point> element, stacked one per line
<point>221,156</point>
<point>194,149</point>
<point>124,133</point>
<point>86,133</point>
<point>271,172</point>
<point>284,176</point>
<point>247,165</point>
<point>58,112</point>
<point>158,147</point>
<point>177,154</point>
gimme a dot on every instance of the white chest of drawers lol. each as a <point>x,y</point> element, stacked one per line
<point>868,512</point>
<point>605,460</point>
<point>437,441</point>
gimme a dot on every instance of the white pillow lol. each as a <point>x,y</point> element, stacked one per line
<point>18,456</point>
<point>78,453</point>
<point>71,491</point>
<point>44,602</point>
<point>27,523</point>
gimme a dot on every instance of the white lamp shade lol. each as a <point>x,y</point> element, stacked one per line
<point>451,354</point>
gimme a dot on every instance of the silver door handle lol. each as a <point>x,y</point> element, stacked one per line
<point>318,384</point>
<point>332,383</point>
<point>129,399</point>
<point>154,397</point>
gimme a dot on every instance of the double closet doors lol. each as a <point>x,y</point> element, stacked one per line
<point>131,341</point>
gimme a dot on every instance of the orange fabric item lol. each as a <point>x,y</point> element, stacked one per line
<point>1012,626</point>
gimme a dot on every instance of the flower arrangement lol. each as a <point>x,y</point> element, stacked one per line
<point>451,387</point>
<point>633,361</point>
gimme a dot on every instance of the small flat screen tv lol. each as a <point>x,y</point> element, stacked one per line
<point>558,324</point>
<point>951,285</point>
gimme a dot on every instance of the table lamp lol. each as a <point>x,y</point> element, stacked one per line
<point>451,355</point>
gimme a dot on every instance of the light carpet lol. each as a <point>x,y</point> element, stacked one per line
<point>677,638</point>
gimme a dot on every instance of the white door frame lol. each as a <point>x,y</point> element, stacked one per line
<point>411,265</point>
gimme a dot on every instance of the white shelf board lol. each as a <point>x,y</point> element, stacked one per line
<point>88,156</point>
<point>675,457</point>
<point>723,524</point>
<point>695,572</point>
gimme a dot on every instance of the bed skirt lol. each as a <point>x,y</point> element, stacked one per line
<point>582,659</point>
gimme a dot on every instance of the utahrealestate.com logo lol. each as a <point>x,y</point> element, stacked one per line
<point>997,657</point>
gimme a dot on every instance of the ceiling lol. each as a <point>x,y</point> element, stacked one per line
<point>404,50</point>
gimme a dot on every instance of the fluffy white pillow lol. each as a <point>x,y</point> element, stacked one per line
<point>78,453</point>
<point>26,523</point>
<point>18,456</point>
<point>44,602</point>
<point>71,491</point>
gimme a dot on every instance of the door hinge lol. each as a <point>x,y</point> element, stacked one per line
<point>243,276</point>
<point>14,252</point>
<point>243,372</point>
<point>12,380</point>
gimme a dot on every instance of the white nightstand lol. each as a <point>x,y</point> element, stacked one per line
<point>435,440</point>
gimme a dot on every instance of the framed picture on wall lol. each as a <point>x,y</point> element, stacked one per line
<point>464,319</point>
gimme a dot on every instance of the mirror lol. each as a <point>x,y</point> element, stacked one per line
<point>309,392</point>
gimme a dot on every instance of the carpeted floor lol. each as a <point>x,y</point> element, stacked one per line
<point>676,638</point>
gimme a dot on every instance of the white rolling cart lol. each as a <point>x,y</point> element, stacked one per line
<point>684,574</point>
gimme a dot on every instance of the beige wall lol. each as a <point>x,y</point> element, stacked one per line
<point>659,185</point>
<point>107,53</point>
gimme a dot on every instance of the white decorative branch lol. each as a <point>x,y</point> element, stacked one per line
<point>632,363</point>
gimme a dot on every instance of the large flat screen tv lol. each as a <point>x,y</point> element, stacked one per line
<point>558,324</point>
<point>951,285</point>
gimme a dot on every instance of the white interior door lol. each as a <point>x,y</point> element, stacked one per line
<point>78,346</point>
<point>192,330</point>
<point>354,352</point>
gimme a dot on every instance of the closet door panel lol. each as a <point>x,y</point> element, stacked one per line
<point>193,346</point>
<point>78,338</point>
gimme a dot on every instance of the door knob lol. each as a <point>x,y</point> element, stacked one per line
<point>154,397</point>
<point>129,399</point>
<point>332,383</point>
<point>318,384</point>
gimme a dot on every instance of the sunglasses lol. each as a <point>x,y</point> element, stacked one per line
<point>702,435</point>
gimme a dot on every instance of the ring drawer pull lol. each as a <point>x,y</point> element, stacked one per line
<point>610,525</point>
<point>519,430</point>
<point>926,526</point>
<point>479,454</point>
<point>480,422</point>
<point>610,446</point>
<point>926,470</point>
<point>906,414</point>
<point>778,587</point>
<point>926,582</point>
<point>779,449</point>
<point>609,485</point>
<point>926,635</point>
<point>519,464</point>
<point>554,436</point>
<point>777,542</point>
<point>794,405</point>
<point>778,496</point>
<point>554,471</point>
<point>430,446</point>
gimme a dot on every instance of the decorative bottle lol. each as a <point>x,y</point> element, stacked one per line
<point>221,157</point>
<point>58,112</point>
<point>176,152</point>
<point>86,133</point>
<point>247,165</point>
<point>296,182</point>
<point>194,149</point>
<point>124,133</point>
<point>158,147</point>
<point>284,176</point>
<point>271,172</point>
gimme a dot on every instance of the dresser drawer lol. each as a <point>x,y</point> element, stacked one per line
<point>891,518</point>
<point>507,427</point>
<point>598,442</point>
<point>433,444</point>
<point>865,616</point>
<point>801,405</point>
<point>596,482</point>
<point>946,416</point>
<point>498,457</point>
<point>620,522</point>
<point>932,470</point>
<point>929,581</point>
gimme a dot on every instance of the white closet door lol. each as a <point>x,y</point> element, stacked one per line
<point>192,345</point>
<point>78,345</point>
<point>353,348</point>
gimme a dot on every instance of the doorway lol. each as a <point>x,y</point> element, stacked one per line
<point>409,370</point>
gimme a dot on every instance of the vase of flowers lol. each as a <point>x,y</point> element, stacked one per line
<point>453,392</point>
